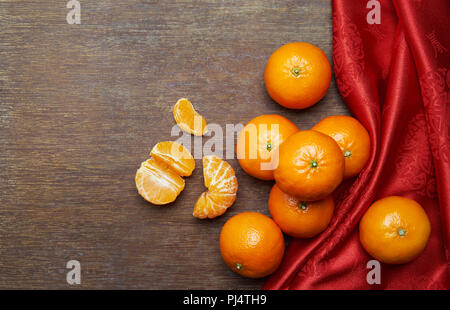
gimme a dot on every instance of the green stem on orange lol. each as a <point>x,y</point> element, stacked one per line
<point>296,72</point>
<point>269,146</point>
<point>401,232</point>
<point>303,205</point>
<point>347,153</point>
<point>238,266</point>
<point>313,163</point>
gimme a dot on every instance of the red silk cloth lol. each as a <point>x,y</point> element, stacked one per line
<point>395,78</point>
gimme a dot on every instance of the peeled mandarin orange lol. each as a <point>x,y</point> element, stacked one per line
<point>188,119</point>
<point>297,75</point>
<point>175,156</point>
<point>258,140</point>
<point>222,186</point>
<point>352,138</point>
<point>157,183</point>
<point>310,165</point>
<point>251,244</point>
<point>394,230</point>
<point>300,219</point>
<point>158,180</point>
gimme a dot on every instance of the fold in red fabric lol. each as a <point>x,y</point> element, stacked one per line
<point>395,78</point>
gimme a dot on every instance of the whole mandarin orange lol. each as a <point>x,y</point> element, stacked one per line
<point>297,75</point>
<point>300,219</point>
<point>258,140</point>
<point>251,244</point>
<point>394,230</point>
<point>310,165</point>
<point>353,139</point>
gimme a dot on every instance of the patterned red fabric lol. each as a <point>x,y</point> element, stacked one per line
<point>395,78</point>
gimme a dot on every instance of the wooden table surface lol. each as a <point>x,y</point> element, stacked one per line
<point>82,105</point>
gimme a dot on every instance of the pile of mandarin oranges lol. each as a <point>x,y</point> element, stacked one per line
<point>306,165</point>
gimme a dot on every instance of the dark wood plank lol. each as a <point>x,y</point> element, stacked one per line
<point>82,105</point>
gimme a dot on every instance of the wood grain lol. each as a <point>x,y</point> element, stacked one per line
<point>82,105</point>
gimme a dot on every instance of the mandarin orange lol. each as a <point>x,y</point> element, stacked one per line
<point>310,165</point>
<point>258,140</point>
<point>251,244</point>
<point>352,138</point>
<point>300,219</point>
<point>394,230</point>
<point>297,75</point>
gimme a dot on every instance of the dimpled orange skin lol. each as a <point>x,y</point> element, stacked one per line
<point>297,75</point>
<point>297,218</point>
<point>353,139</point>
<point>261,136</point>
<point>310,165</point>
<point>394,230</point>
<point>251,244</point>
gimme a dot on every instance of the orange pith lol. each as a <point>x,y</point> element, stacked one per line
<point>394,230</point>
<point>158,180</point>
<point>298,218</point>
<point>251,244</point>
<point>310,165</point>
<point>259,140</point>
<point>188,119</point>
<point>352,138</point>
<point>222,187</point>
<point>297,75</point>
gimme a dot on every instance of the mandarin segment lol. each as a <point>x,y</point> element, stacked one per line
<point>175,156</point>
<point>188,119</point>
<point>221,181</point>
<point>157,183</point>
<point>219,175</point>
<point>211,205</point>
<point>158,180</point>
